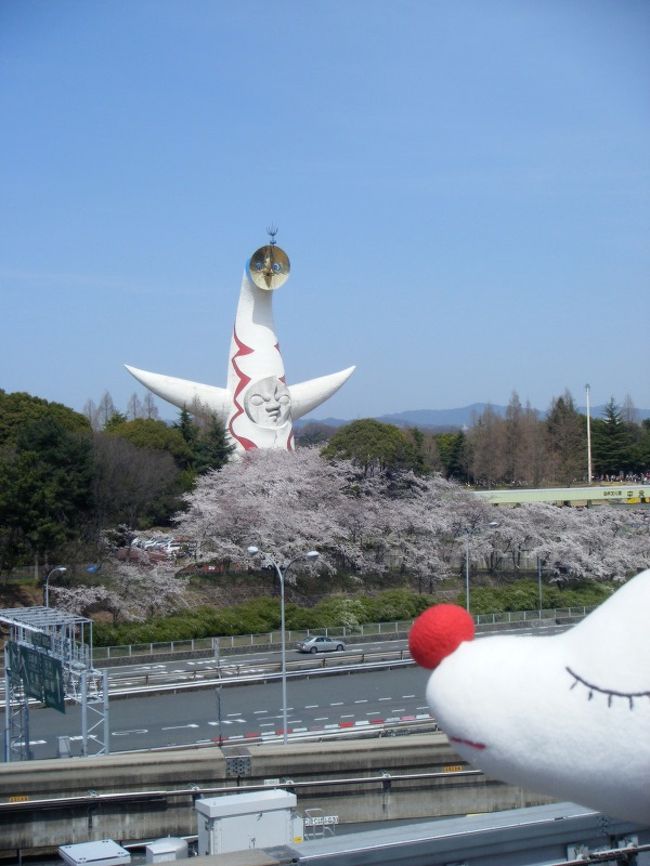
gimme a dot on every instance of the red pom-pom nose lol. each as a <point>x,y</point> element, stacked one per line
<point>438,632</point>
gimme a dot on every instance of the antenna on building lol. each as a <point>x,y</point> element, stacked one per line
<point>272,231</point>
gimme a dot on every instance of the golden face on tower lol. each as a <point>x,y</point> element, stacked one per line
<point>269,267</point>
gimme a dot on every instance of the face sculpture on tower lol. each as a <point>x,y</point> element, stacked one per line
<point>257,406</point>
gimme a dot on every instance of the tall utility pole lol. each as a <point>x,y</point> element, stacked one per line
<point>589,473</point>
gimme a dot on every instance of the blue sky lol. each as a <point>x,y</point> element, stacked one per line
<point>462,187</point>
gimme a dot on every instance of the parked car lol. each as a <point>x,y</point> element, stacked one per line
<point>320,644</point>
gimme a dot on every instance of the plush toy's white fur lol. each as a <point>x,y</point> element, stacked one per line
<point>567,715</point>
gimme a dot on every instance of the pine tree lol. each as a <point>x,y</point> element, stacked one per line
<point>566,441</point>
<point>212,449</point>
<point>612,445</point>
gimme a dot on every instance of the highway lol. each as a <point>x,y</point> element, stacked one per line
<point>254,664</point>
<point>325,703</point>
<point>234,704</point>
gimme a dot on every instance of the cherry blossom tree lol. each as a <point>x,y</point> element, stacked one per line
<point>136,592</point>
<point>288,503</point>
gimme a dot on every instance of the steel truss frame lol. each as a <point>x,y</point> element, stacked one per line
<point>69,640</point>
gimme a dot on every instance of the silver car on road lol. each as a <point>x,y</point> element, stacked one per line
<point>320,644</point>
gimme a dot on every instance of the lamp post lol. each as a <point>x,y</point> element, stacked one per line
<point>281,573</point>
<point>61,569</point>
<point>467,570</point>
<point>492,525</point>
<point>589,472</point>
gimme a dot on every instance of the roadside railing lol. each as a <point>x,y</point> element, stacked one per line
<point>242,642</point>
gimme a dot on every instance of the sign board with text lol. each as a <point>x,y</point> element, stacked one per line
<point>41,674</point>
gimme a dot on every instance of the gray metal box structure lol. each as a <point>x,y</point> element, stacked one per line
<point>164,850</point>
<point>102,853</point>
<point>256,819</point>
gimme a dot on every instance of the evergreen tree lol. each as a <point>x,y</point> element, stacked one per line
<point>188,429</point>
<point>612,444</point>
<point>212,449</point>
<point>566,441</point>
<point>453,455</point>
<point>157,436</point>
<point>114,421</point>
<point>374,447</point>
<point>47,494</point>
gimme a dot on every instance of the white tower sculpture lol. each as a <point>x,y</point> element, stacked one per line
<point>257,407</point>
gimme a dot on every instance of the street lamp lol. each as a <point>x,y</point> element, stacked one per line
<point>589,472</point>
<point>281,573</point>
<point>492,525</point>
<point>60,569</point>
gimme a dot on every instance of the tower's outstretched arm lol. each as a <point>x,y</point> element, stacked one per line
<point>192,396</point>
<point>305,396</point>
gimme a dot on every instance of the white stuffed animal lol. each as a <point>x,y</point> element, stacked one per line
<point>567,715</point>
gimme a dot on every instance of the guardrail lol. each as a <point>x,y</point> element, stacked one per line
<point>238,674</point>
<point>241,642</point>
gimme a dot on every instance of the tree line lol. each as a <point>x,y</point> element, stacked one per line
<point>65,479</point>
<point>518,448</point>
<point>69,476</point>
<point>373,528</point>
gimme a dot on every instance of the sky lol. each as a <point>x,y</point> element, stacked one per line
<point>462,186</point>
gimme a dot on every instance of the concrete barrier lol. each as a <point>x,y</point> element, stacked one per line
<point>130,797</point>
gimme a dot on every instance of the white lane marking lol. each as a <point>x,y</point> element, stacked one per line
<point>406,697</point>
<point>37,742</point>
<point>363,701</point>
<point>267,724</point>
<point>398,709</point>
<point>234,714</point>
<point>422,708</point>
<point>384,699</point>
<point>178,727</point>
<point>259,712</point>
<point>372,714</point>
<point>348,716</point>
<point>336,704</point>
<point>127,733</point>
<point>311,707</point>
<point>321,718</point>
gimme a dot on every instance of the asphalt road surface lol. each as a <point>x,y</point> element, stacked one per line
<point>194,717</point>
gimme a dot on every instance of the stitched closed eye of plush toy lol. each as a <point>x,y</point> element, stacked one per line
<point>567,715</point>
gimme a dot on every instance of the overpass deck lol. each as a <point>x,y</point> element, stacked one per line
<point>630,494</point>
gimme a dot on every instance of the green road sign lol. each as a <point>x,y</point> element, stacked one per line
<point>53,694</point>
<point>41,674</point>
<point>32,671</point>
<point>38,638</point>
<point>13,657</point>
<point>14,663</point>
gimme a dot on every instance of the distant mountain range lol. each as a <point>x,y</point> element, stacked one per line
<point>448,418</point>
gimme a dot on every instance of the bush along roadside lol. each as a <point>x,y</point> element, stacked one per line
<point>263,614</point>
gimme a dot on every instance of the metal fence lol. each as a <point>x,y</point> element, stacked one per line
<point>274,638</point>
